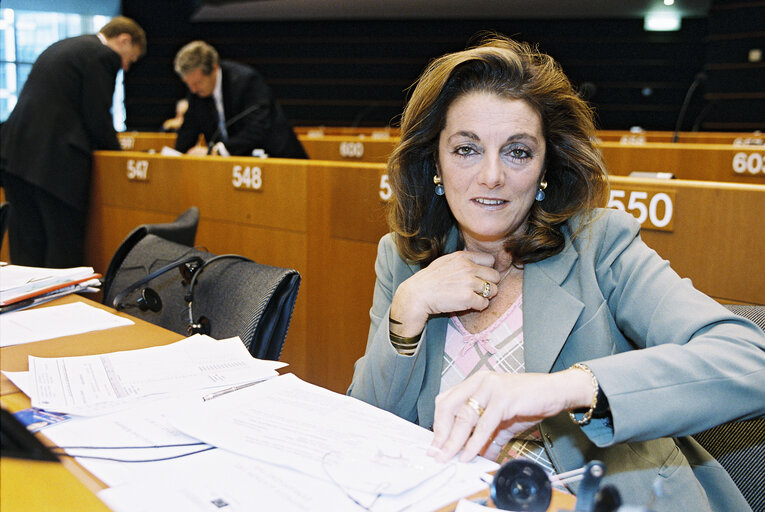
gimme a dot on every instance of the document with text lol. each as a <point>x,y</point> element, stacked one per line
<point>88,385</point>
<point>326,435</point>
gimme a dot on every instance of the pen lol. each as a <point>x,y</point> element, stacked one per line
<point>229,390</point>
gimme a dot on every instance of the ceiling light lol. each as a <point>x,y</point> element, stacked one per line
<point>662,21</point>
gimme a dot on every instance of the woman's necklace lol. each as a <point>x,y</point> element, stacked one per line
<point>507,272</point>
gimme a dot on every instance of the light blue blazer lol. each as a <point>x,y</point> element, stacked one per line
<point>605,296</point>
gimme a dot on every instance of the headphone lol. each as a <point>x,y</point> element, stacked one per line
<point>190,268</point>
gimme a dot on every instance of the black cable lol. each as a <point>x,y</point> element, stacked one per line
<point>198,443</point>
<point>60,452</point>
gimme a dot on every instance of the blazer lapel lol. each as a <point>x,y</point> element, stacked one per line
<point>549,311</point>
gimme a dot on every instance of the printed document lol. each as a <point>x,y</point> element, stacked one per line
<point>88,385</point>
<point>285,421</point>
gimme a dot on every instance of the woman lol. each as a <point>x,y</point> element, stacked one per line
<point>507,292</point>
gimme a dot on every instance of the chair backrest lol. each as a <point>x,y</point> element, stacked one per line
<point>5,208</point>
<point>754,313</point>
<point>237,296</point>
<point>183,230</point>
<point>739,446</point>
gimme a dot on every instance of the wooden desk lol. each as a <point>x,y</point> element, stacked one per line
<point>372,131</point>
<point>34,485</point>
<point>624,136</point>
<point>689,161</point>
<point>707,162</point>
<point>140,335</point>
<point>697,156</point>
<point>325,220</point>
<point>354,148</point>
<point>628,137</point>
<point>278,214</point>
<point>146,141</point>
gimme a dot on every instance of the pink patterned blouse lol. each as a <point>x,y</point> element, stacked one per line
<point>498,348</point>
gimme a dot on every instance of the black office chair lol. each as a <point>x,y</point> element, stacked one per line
<point>5,209</point>
<point>223,296</point>
<point>739,446</point>
<point>182,230</point>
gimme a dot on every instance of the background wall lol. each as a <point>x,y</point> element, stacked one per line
<point>356,72</point>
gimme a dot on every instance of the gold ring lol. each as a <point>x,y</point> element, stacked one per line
<point>486,290</point>
<point>473,404</point>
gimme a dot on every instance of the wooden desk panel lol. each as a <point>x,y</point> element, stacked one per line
<point>708,162</point>
<point>358,148</point>
<point>603,135</point>
<point>690,161</point>
<point>371,131</point>
<point>718,239</point>
<point>628,137</point>
<point>146,141</point>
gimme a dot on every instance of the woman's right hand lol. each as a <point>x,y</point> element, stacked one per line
<point>450,283</point>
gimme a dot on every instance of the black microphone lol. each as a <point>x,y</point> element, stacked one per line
<point>700,77</point>
<point>587,90</point>
<point>231,121</point>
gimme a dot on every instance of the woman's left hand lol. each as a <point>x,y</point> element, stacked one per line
<point>468,415</point>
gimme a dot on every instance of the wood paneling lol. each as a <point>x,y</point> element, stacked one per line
<point>325,220</point>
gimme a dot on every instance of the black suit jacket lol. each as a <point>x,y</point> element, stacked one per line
<point>265,128</point>
<point>62,115</point>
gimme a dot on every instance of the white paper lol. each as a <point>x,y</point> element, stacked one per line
<point>55,321</point>
<point>16,279</point>
<point>471,506</point>
<point>96,384</point>
<point>20,380</point>
<point>218,478</point>
<point>326,435</point>
<point>168,151</point>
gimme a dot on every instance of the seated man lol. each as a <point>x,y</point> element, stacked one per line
<point>230,103</point>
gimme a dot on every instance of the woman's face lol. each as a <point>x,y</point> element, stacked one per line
<point>491,155</point>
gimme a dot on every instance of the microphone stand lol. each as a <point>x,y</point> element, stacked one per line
<point>231,121</point>
<point>700,77</point>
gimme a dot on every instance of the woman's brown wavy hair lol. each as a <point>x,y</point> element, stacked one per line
<point>574,169</point>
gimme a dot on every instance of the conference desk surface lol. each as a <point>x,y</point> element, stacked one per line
<point>34,485</point>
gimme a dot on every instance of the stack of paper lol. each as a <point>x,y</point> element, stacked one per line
<point>283,444</point>
<point>27,286</point>
<point>91,385</point>
<point>207,441</point>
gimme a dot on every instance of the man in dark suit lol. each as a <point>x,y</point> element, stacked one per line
<point>62,115</point>
<point>232,106</point>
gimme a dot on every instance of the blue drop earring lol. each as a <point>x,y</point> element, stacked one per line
<point>439,186</point>
<point>541,192</point>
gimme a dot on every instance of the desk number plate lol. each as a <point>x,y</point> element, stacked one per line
<point>654,209</point>
<point>137,170</point>
<point>244,177</point>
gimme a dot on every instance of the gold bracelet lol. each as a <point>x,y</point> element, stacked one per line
<point>595,387</point>
<point>406,346</point>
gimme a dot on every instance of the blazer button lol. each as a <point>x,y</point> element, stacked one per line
<point>549,439</point>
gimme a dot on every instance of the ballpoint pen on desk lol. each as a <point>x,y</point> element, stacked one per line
<point>229,390</point>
